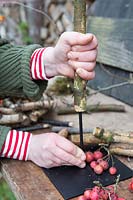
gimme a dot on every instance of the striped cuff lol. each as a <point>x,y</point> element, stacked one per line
<point>37,66</point>
<point>16,145</point>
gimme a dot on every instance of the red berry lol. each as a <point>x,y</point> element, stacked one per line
<point>119,198</point>
<point>98,155</point>
<point>87,194</point>
<point>130,186</point>
<point>93,164</point>
<point>112,170</point>
<point>104,164</point>
<point>98,169</point>
<point>94,195</point>
<point>89,156</point>
<point>81,197</point>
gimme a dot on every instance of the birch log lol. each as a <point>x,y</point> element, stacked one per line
<point>121,151</point>
<point>88,139</point>
<point>109,136</point>
<point>93,108</point>
<point>35,115</point>
<point>7,111</point>
<point>13,119</point>
<point>33,105</point>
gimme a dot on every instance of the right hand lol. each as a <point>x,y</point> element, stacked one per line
<point>74,52</point>
<point>52,150</point>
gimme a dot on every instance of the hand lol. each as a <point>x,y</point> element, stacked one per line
<point>52,150</point>
<point>73,52</point>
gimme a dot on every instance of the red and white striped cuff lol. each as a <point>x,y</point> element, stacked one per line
<point>37,65</point>
<point>16,145</point>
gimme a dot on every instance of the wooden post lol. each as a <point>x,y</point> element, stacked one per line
<point>79,84</point>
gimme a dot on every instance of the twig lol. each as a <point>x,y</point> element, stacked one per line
<point>7,111</point>
<point>13,119</point>
<point>42,104</point>
<point>63,132</point>
<point>128,81</point>
<point>35,115</point>
<point>93,108</point>
<point>111,86</point>
<point>33,128</point>
<point>116,184</point>
<point>71,130</point>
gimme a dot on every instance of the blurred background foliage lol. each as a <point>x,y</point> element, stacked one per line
<point>5,192</point>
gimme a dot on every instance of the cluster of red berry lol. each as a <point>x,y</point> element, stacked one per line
<point>130,186</point>
<point>100,193</point>
<point>98,163</point>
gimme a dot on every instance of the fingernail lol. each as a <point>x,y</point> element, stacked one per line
<point>79,71</point>
<point>83,157</point>
<point>83,165</point>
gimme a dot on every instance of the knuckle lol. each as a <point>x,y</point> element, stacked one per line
<point>72,63</point>
<point>70,54</point>
<point>71,149</point>
<point>63,34</point>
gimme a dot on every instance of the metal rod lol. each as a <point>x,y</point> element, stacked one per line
<point>33,128</point>
<point>81,130</point>
<point>56,122</point>
<point>72,130</point>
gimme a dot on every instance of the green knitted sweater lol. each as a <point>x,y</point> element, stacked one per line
<point>15,78</point>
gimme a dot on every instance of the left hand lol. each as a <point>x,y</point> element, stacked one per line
<point>74,52</point>
<point>52,150</point>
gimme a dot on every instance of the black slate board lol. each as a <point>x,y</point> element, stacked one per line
<point>71,181</point>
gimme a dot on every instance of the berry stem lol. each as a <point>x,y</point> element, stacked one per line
<point>116,184</point>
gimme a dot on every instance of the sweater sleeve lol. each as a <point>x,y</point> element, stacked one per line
<point>16,79</point>
<point>3,134</point>
<point>15,75</point>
